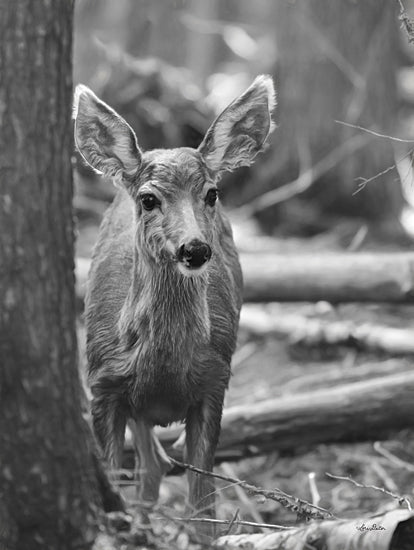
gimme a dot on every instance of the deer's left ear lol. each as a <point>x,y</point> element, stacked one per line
<point>104,139</point>
<point>240,131</point>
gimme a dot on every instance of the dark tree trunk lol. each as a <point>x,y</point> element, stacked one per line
<point>336,61</point>
<point>48,488</point>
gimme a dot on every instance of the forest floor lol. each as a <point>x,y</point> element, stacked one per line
<point>270,367</point>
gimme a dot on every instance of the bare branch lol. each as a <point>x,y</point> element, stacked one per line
<point>392,458</point>
<point>362,182</point>
<point>316,497</point>
<point>236,522</point>
<point>373,133</point>
<point>297,505</point>
<point>406,22</point>
<point>304,181</point>
<point>401,500</point>
<point>241,494</point>
<point>232,522</point>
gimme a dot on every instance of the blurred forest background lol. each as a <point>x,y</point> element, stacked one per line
<point>170,67</point>
<point>333,180</point>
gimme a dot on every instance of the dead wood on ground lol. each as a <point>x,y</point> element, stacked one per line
<point>390,531</point>
<point>333,278</point>
<point>316,332</point>
<point>366,410</point>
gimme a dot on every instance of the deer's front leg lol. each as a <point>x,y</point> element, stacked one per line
<point>151,462</point>
<point>202,433</point>
<point>109,423</point>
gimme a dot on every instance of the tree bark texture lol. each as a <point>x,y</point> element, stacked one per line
<point>334,64</point>
<point>48,488</point>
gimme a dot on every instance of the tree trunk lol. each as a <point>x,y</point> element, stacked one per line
<point>49,490</point>
<point>334,64</point>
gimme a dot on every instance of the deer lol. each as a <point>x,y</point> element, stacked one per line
<point>164,290</point>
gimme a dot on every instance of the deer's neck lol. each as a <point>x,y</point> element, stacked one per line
<point>166,309</point>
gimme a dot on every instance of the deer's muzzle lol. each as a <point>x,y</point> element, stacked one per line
<point>194,254</point>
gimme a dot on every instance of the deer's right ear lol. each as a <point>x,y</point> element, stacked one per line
<point>240,132</point>
<point>104,139</point>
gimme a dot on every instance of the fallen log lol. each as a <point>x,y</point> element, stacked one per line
<point>359,411</point>
<point>366,410</point>
<point>333,278</point>
<point>317,332</point>
<point>390,531</point>
<point>336,375</point>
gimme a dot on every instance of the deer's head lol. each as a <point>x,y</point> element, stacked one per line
<point>174,190</point>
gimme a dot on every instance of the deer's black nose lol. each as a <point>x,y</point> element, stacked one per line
<point>194,254</point>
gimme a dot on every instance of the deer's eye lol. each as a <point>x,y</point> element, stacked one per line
<point>211,197</point>
<point>149,201</point>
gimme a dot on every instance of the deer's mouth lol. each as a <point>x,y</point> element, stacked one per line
<point>189,271</point>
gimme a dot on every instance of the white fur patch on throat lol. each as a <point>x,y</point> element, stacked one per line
<point>191,272</point>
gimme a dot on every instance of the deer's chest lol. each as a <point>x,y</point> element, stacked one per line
<point>167,372</point>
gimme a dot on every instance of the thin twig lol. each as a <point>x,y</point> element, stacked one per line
<point>400,498</point>
<point>362,182</point>
<point>358,239</point>
<point>220,490</point>
<point>392,458</point>
<point>407,22</point>
<point>294,504</point>
<point>241,494</point>
<point>232,522</point>
<point>316,497</point>
<point>380,471</point>
<point>305,180</point>
<point>167,514</point>
<point>373,133</point>
<point>237,522</point>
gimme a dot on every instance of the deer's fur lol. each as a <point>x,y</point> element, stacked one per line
<point>161,336</point>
